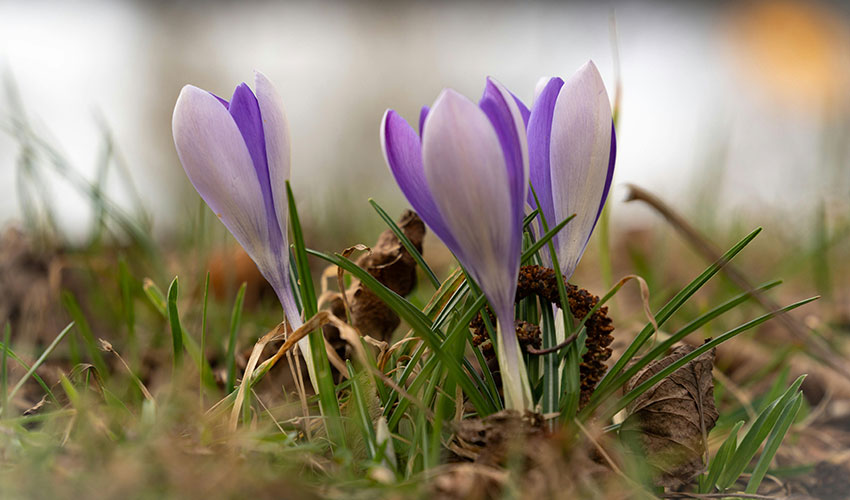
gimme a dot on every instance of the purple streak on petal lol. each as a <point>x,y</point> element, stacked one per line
<point>611,160</point>
<point>612,157</point>
<point>423,114</point>
<point>510,131</point>
<point>403,153</point>
<point>496,108</point>
<point>245,111</point>
<point>222,101</point>
<point>277,148</point>
<point>523,109</point>
<point>539,136</point>
<point>507,120</point>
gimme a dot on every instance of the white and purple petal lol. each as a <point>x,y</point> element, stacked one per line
<point>610,177</point>
<point>423,114</point>
<point>219,165</point>
<point>580,160</point>
<point>403,153</point>
<point>539,136</point>
<point>277,147</point>
<point>503,111</point>
<point>466,171</point>
<point>538,88</point>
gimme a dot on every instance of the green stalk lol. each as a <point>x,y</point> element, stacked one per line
<point>174,321</point>
<point>235,320</point>
<point>318,357</point>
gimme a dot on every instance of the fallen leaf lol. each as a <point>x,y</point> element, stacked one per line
<point>391,264</point>
<point>671,420</point>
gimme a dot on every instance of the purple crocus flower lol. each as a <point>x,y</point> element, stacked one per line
<point>236,154</point>
<point>571,149</point>
<point>467,177</point>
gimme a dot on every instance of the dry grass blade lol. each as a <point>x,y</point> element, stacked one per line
<point>644,297</point>
<point>321,319</point>
<point>277,333</point>
<point>106,346</point>
<point>340,273</point>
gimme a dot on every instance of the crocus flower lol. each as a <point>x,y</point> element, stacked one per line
<point>236,154</point>
<point>571,149</point>
<point>467,178</point>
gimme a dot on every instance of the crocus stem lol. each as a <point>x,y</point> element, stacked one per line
<point>293,315</point>
<point>512,367</point>
<point>307,352</point>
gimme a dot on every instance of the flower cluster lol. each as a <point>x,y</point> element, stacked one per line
<point>466,172</point>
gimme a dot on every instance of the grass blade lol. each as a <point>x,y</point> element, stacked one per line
<point>726,450</point>
<point>671,307</point>
<point>537,245</point>
<point>174,321</point>
<point>40,360</point>
<point>125,281</point>
<point>571,379</point>
<point>202,358</point>
<point>530,218</point>
<point>777,434</point>
<point>362,411</point>
<point>83,327</point>
<point>406,242</point>
<point>755,436</point>
<point>155,296</point>
<point>328,402</point>
<point>157,299</point>
<point>551,361</point>
<point>643,387</point>
<point>691,327</point>
<point>17,359</point>
<point>235,320</point>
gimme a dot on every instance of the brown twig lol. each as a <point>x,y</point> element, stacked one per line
<point>539,352</point>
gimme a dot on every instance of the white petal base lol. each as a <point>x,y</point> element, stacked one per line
<point>512,368</point>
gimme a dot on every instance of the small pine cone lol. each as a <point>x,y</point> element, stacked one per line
<point>541,281</point>
<point>527,334</point>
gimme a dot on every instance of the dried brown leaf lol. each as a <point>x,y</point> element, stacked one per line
<point>392,265</point>
<point>671,420</point>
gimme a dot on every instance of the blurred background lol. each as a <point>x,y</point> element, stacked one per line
<point>746,101</point>
<point>736,114</point>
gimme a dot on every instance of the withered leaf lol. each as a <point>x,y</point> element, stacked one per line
<point>391,264</point>
<point>671,420</point>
